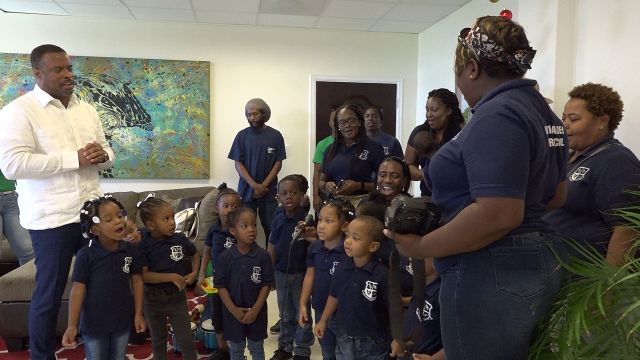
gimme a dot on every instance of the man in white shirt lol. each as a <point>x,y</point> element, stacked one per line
<point>53,144</point>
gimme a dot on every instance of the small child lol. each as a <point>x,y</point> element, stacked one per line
<point>324,256</point>
<point>104,275</point>
<point>218,240</point>
<point>166,274</point>
<point>289,259</point>
<point>359,296</point>
<point>244,275</point>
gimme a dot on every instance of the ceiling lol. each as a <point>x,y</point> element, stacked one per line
<point>401,16</point>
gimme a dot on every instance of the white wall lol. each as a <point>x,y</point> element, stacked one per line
<point>246,62</point>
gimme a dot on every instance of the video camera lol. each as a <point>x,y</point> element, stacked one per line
<point>407,215</point>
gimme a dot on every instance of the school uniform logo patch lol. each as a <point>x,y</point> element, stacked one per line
<point>333,268</point>
<point>425,314</point>
<point>370,290</point>
<point>176,253</point>
<point>409,268</point>
<point>270,150</point>
<point>229,243</point>
<point>364,155</point>
<point>256,276</point>
<point>386,150</point>
<point>127,264</point>
<point>579,173</point>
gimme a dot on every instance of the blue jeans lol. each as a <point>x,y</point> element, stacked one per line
<point>18,236</point>
<point>292,338</point>
<point>53,250</point>
<point>106,347</point>
<point>492,299</point>
<point>266,208</point>
<point>362,348</point>
<point>328,341</point>
<point>256,349</point>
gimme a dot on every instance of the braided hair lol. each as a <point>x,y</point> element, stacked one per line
<point>224,190</point>
<point>149,206</point>
<point>90,214</point>
<point>456,120</point>
<point>344,208</point>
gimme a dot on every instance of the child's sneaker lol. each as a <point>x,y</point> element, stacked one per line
<point>275,329</point>
<point>280,354</point>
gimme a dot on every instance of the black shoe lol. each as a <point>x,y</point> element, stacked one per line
<point>275,329</point>
<point>281,355</point>
<point>219,354</point>
<point>300,357</point>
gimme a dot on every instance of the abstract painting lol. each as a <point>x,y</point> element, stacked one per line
<point>155,113</point>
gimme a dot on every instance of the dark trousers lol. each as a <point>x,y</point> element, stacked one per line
<point>53,249</point>
<point>266,207</point>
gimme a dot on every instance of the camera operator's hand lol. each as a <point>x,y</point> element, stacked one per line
<point>348,187</point>
<point>406,243</point>
<point>331,187</point>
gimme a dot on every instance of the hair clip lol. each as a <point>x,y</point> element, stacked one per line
<point>108,196</point>
<point>96,220</point>
<point>85,235</point>
<point>150,195</point>
<point>84,211</point>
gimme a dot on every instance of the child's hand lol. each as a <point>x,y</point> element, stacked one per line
<point>320,328</point>
<point>189,279</point>
<point>250,316</point>
<point>422,357</point>
<point>397,348</point>
<point>310,233</point>
<point>238,313</point>
<point>302,319</point>
<point>69,337</point>
<point>179,281</point>
<point>140,323</point>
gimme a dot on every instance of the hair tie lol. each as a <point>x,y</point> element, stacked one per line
<point>84,211</point>
<point>95,220</point>
<point>150,195</point>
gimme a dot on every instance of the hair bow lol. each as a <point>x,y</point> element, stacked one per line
<point>151,195</point>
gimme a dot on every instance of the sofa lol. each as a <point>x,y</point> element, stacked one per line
<point>8,260</point>
<point>16,286</point>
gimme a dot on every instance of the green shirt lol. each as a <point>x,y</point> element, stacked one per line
<point>322,146</point>
<point>6,185</point>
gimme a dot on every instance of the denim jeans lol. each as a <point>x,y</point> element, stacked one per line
<point>18,236</point>
<point>362,348</point>
<point>292,338</point>
<point>328,341</point>
<point>256,349</point>
<point>106,347</point>
<point>266,208</point>
<point>172,303</point>
<point>53,249</point>
<point>492,299</point>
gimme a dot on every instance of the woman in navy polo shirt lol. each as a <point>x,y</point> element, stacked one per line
<point>601,169</point>
<point>492,183</point>
<point>351,161</point>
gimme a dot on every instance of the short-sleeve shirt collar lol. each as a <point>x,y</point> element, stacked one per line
<point>45,98</point>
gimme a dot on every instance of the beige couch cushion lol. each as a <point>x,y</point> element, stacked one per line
<point>18,284</point>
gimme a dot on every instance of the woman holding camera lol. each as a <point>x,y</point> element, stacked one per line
<point>492,183</point>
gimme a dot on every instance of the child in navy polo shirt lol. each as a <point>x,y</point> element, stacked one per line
<point>324,256</point>
<point>166,274</point>
<point>289,259</point>
<point>244,275</point>
<point>218,240</point>
<point>104,275</point>
<point>359,296</point>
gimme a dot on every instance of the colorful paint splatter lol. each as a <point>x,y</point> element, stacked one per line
<point>155,113</point>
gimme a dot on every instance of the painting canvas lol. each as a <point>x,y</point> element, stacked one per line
<point>155,113</point>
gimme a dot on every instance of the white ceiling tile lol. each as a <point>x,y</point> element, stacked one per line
<point>357,9</point>
<point>233,18</point>
<point>162,14</point>
<point>293,7</point>
<point>344,24</point>
<point>164,4</point>
<point>287,20</point>
<point>32,7</point>
<point>419,13</point>
<point>400,26</point>
<point>226,6</point>
<point>436,2</point>
<point>120,12</point>
<point>94,2</point>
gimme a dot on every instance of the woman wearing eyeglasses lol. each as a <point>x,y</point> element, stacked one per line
<point>351,161</point>
<point>492,183</point>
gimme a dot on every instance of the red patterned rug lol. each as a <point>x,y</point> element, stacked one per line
<point>134,352</point>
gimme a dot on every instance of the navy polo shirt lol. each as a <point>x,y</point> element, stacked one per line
<point>598,180</point>
<point>513,146</point>
<point>108,301</point>
<point>423,161</point>
<point>324,261</point>
<point>258,150</point>
<point>282,229</point>
<point>363,300</point>
<point>358,162</point>
<point>384,251</point>
<point>167,255</point>
<point>218,240</point>
<point>244,276</point>
<point>390,145</point>
<point>428,316</point>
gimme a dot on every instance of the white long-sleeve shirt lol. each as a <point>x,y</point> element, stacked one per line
<point>39,142</point>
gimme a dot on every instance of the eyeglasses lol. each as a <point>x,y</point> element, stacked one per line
<point>344,122</point>
<point>463,35</point>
